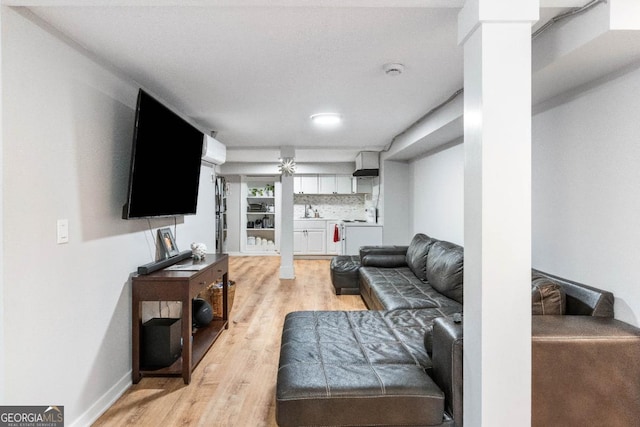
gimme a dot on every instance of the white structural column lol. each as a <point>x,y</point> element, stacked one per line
<point>287,270</point>
<point>2,347</point>
<point>496,35</point>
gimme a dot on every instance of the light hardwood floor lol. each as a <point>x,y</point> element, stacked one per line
<point>234,385</point>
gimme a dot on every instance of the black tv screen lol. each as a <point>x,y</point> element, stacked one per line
<point>165,163</point>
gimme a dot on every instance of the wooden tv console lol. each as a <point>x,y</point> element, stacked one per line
<point>181,285</point>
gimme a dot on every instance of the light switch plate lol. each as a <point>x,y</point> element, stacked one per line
<point>63,231</point>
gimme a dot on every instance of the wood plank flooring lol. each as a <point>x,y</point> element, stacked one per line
<point>234,385</point>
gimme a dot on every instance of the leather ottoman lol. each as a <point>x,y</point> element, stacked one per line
<point>344,274</point>
<point>353,369</point>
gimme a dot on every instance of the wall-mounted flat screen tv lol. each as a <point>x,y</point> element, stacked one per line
<point>165,163</point>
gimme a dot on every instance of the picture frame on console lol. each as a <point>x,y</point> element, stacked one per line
<point>167,242</point>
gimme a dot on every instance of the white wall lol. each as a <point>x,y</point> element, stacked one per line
<point>67,129</point>
<point>437,194</point>
<point>586,189</point>
<point>585,197</point>
<point>393,204</point>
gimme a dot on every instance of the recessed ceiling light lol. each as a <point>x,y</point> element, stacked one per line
<point>326,119</point>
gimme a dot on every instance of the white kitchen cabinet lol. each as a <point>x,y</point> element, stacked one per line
<point>344,184</point>
<point>299,241</point>
<point>305,184</point>
<point>327,184</point>
<point>309,237</point>
<point>335,184</point>
<point>316,240</point>
<point>362,185</point>
<point>309,242</point>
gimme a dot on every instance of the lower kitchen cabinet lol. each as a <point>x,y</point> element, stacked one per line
<point>310,242</point>
<point>309,237</point>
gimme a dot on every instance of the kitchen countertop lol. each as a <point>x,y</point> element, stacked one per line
<point>349,223</point>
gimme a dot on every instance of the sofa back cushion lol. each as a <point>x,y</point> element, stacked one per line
<point>547,297</point>
<point>445,266</point>
<point>417,255</point>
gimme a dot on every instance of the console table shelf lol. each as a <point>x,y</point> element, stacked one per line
<point>180,285</point>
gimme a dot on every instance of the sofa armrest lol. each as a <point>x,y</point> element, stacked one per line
<point>582,299</point>
<point>585,371</point>
<point>447,363</point>
<point>374,256</point>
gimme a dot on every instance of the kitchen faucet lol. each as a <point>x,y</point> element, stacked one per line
<point>307,208</point>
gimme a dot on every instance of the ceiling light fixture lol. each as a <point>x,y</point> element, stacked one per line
<point>326,119</point>
<point>287,166</point>
<point>393,69</point>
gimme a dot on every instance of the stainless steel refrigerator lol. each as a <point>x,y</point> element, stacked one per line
<point>221,214</point>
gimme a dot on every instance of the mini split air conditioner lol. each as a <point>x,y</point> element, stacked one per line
<point>213,151</point>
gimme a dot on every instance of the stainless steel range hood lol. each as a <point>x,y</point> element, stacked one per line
<point>367,164</point>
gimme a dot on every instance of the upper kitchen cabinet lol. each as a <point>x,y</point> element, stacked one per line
<point>335,184</point>
<point>331,184</point>
<point>362,185</point>
<point>305,184</point>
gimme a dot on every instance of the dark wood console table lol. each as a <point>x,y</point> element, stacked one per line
<point>180,285</point>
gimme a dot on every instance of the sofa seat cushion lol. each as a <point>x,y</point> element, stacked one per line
<point>353,368</point>
<point>396,288</point>
<point>349,337</point>
<point>415,327</point>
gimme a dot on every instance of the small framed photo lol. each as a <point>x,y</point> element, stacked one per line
<point>167,243</point>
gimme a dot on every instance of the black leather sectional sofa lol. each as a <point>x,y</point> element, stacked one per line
<point>400,363</point>
<point>375,367</point>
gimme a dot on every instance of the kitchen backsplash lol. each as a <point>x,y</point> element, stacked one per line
<point>330,206</point>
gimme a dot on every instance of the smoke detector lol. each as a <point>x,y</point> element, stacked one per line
<point>393,69</point>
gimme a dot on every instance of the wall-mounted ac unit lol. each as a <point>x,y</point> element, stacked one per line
<point>213,151</point>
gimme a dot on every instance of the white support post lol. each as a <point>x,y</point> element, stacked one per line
<point>2,347</point>
<point>287,270</point>
<point>497,207</point>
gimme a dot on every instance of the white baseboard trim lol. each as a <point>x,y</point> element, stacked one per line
<point>104,403</point>
<point>287,272</point>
